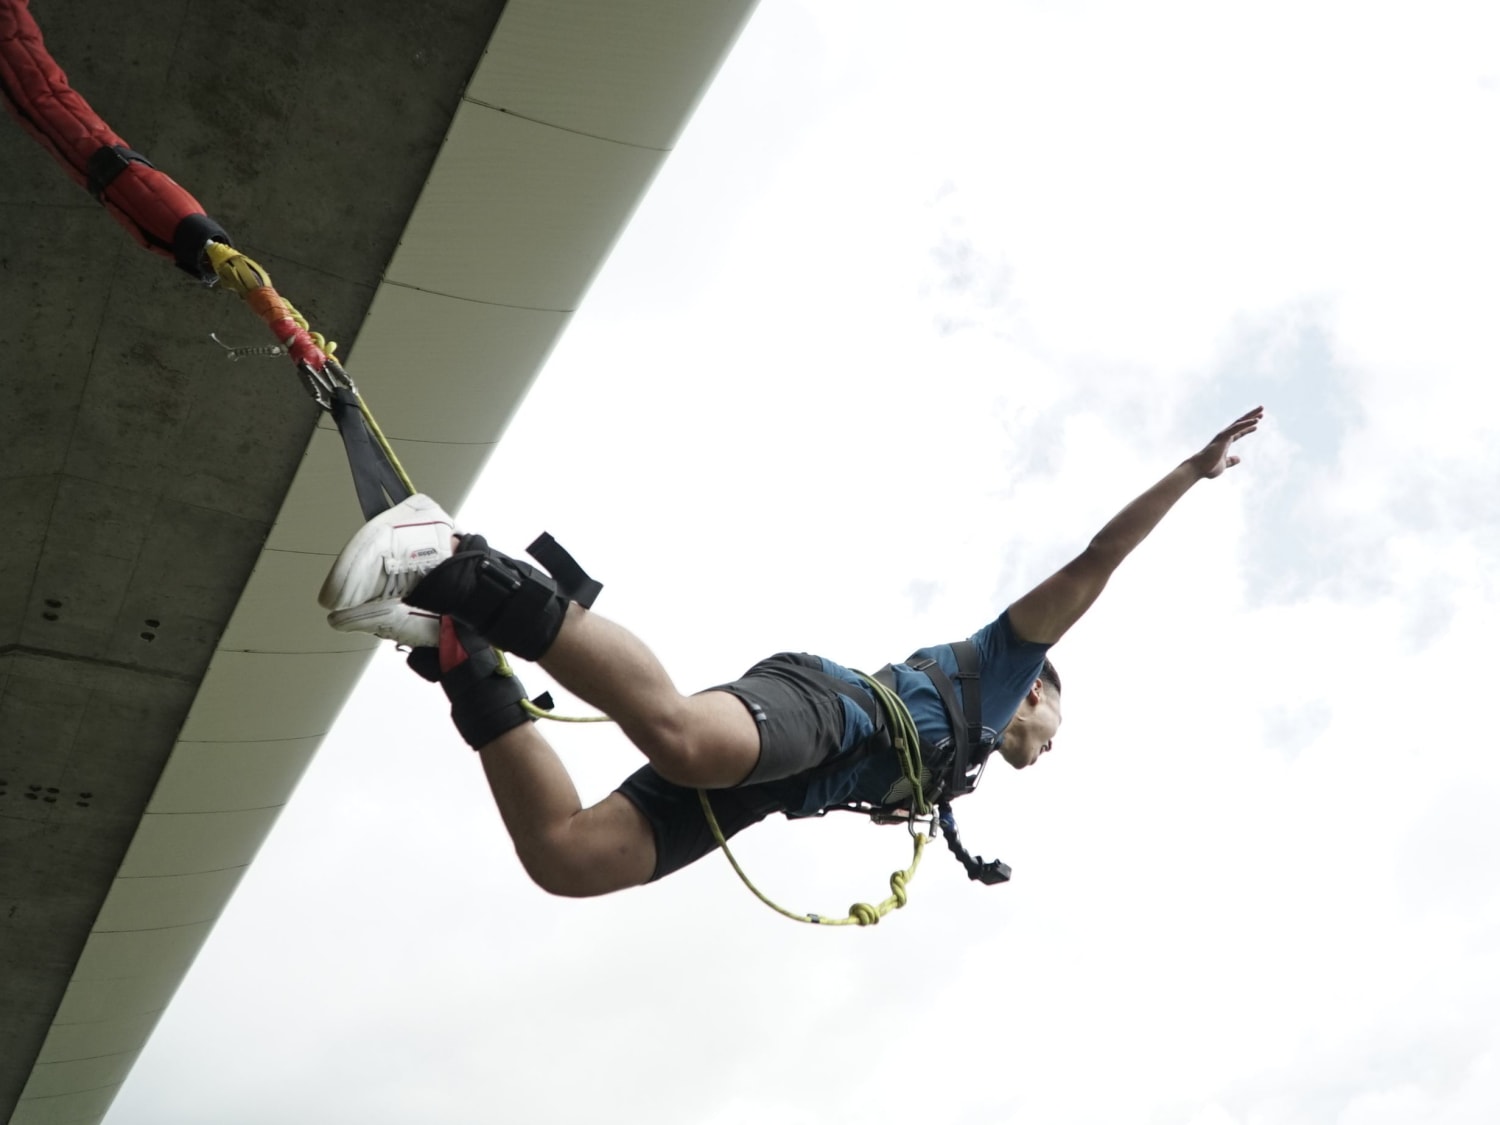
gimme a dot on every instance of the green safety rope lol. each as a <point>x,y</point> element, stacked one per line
<point>906,742</point>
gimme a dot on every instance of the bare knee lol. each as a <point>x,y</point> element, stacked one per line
<point>598,850</point>
<point>672,745</point>
<point>555,875</point>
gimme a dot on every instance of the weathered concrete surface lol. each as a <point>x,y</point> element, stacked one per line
<point>140,472</point>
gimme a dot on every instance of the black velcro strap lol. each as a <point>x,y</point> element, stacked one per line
<point>572,581</point>
<point>376,481</point>
<point>192,236</point>
<point>105,166</point>
<point>484,703</point>
<point>967,657</point>
<point>963,717</point>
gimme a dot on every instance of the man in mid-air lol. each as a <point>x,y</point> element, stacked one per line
<point>796,734</point>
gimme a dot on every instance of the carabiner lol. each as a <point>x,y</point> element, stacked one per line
<point>930,820</point>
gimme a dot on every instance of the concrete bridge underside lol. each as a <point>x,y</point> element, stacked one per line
<point>436,182</point>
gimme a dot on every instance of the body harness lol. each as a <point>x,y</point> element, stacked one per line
<point>954,771</point>
<point>165,219</point>
<point>967,753</point>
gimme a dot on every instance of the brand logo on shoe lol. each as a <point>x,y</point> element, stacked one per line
<point>423,553</point>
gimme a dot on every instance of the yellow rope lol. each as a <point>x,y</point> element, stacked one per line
<point>860,914</point>
<point>907,744</point>
<point>541,712</point>
<point>379,434</point>
<point>242,275</point>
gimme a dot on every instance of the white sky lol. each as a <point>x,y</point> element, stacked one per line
<point>924,296</point>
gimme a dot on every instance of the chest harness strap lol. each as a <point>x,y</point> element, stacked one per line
<point>963,714</point>
<point>966,765</point>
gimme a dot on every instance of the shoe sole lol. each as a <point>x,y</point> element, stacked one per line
<point>417,628</point>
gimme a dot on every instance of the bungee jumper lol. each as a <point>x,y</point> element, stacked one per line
<point>797,734</point>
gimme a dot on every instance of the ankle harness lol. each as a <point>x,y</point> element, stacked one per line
<point>485,699</point>
<point>512,604</point>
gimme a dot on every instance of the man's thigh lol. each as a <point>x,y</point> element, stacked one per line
<point>799,717</point>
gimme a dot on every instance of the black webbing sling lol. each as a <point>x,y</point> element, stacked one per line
<point>376,481</point>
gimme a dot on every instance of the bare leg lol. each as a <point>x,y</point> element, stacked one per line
<point>565,848</point>
<point>706,741</point>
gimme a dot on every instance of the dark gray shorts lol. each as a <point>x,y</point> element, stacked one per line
<point>799,714</point>
<point>677,822</point>
<point>801,723</point>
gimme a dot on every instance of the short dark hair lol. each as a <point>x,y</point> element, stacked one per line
<point>1048,675</point>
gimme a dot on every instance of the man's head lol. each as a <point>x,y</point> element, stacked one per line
<point>1030,732</point>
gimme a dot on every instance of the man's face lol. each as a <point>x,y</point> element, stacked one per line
<point>1029,735</point>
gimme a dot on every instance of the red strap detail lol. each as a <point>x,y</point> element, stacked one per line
<point>451,651</point>
<point>272,308</point>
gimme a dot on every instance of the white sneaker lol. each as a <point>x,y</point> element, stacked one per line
<point>390,619</point>
<point>389,555</point>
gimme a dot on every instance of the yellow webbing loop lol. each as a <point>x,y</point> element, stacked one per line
<point>541,712</point>
<point>907,745</point>
<point>242,275</point>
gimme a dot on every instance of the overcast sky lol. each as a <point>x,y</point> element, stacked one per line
<point>924,296</point>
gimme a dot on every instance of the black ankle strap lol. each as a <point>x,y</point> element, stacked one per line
<point>572,581</point>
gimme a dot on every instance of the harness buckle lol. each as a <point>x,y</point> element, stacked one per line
<point>318,385</point>
<point>323,385</point>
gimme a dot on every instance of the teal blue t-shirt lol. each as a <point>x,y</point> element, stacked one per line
<point>1008,666</point>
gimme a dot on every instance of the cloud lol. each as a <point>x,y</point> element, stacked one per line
<point>1292,728</point>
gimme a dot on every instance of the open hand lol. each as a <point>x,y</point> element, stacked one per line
<point>1215,457</point>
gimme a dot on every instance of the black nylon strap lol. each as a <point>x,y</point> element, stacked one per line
<point>572,581</point>
<point>944,686</point>
<point>376,481</point>
<point>963,717</point>
<point>191,236</point>
<point>968,684</point>
<point>105,166</point>
<point>967,657</point>
<point>859,696</point>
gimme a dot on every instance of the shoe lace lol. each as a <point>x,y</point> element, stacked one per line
<point>402,583</point>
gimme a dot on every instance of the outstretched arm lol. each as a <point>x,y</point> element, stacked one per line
<point>1050,610</point>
